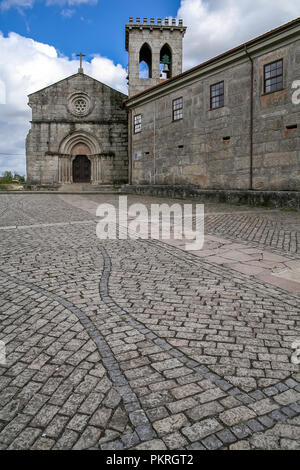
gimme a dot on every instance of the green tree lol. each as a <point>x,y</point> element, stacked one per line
<point>20,178</point>
<point>7,177</point>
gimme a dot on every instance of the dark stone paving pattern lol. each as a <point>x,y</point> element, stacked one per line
<point>18,210</point>
<point>122,387</point>
<point>135,344</point>
<point>279,231</point>
<point>258,400</point>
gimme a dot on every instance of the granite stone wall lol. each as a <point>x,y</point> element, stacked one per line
<point>155,35</point>
<point>58,131</point>
<point>212,148</point>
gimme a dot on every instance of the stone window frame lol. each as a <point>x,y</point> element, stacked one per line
<point>74,97</point>
<point>265,92</point>
<point>212,108</point>
<point>137,123</point>
<point>81,106</point>
<point>177,112</point>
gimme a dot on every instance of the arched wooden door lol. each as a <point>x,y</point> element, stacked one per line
<point>81,169</point>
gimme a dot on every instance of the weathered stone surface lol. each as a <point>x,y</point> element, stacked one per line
<point>241,445</point>
<point>247,384</point>
<point>186,391</point>
<point>223,133</point>
<point>202,411</point>
<point>263,407</point>
<point>175,441</point>
<point>202,429</point>
<point>236,415</point>
<point>155,444</point>
<point>171,424</point>
<point>119,420</point>
<point>288,397</point>
<point>101,417</point>
<point>210,395</point>
<point>288,444</point>
<point>51,304</point>
<point>88,439</point>
<point>182,405</point>
<point>137,34</point>
<point>58,133</point>
<point>261,441</point>
<point>25,440</point>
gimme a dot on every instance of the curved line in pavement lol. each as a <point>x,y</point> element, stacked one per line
<point>223,384</point>
<point>137,416</point>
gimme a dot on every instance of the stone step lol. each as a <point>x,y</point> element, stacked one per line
<point>86,187</point>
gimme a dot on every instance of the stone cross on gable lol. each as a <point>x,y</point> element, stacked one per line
<point>80,70</point>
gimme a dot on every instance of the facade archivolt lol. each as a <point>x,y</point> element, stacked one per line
<point>81,142</point>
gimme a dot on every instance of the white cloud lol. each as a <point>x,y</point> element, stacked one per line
<point>67,12</point>
<point>20,5</point>
<point>215,26</point>
<point>71,2</point>
<point>27,66</point>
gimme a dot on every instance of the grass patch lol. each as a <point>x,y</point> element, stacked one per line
<point>11,187</point>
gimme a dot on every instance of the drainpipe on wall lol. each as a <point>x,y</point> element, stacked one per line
<point>154,143</point>
<point>130,162</point>
<point>251,117</point>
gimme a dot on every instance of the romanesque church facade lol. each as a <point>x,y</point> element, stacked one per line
<point>229,123</point>
<point>79,134</point>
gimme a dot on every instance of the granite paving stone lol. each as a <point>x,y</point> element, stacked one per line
<point>139,344</point>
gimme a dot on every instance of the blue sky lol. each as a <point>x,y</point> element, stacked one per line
<point>91,28</point>
<point>39,40</point>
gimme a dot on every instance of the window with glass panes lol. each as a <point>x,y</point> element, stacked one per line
<point>217,95</point>
<point>177,109</point>
<point>137,123</point>
<point>274,76</point>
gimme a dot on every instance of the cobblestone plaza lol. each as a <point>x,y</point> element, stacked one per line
<point>139,344</point>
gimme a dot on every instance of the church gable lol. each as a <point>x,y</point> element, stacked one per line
<point>77,98</point>
<point>78,134</point>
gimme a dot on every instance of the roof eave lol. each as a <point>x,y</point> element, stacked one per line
<point>253,46</point>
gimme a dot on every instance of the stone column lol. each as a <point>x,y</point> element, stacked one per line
<point>65,169</point>
<point>95,169</point>
<point>70,169</point>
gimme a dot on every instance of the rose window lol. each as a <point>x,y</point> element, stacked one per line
<point>80,106</point>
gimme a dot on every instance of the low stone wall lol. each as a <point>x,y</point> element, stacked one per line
<point>42,187</point>
<point>76,188</point>
<point>272,199</point>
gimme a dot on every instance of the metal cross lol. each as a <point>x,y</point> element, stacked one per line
<point>80,55</point>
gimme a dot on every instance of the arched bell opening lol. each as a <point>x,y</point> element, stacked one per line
<point>165,62</point>
<point>145,62</point>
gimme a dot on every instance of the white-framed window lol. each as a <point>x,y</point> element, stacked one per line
<point>273,76</point>
<point>137,123</point>
<point>177,109</point>
<point>217,95</point>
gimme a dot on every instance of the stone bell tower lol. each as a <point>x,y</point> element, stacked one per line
<point>155,52</point>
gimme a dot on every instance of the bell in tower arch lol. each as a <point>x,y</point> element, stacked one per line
<point>154,52</point>
<point>166,68</point>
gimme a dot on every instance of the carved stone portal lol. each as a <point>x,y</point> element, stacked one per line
<point>80,160</point>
